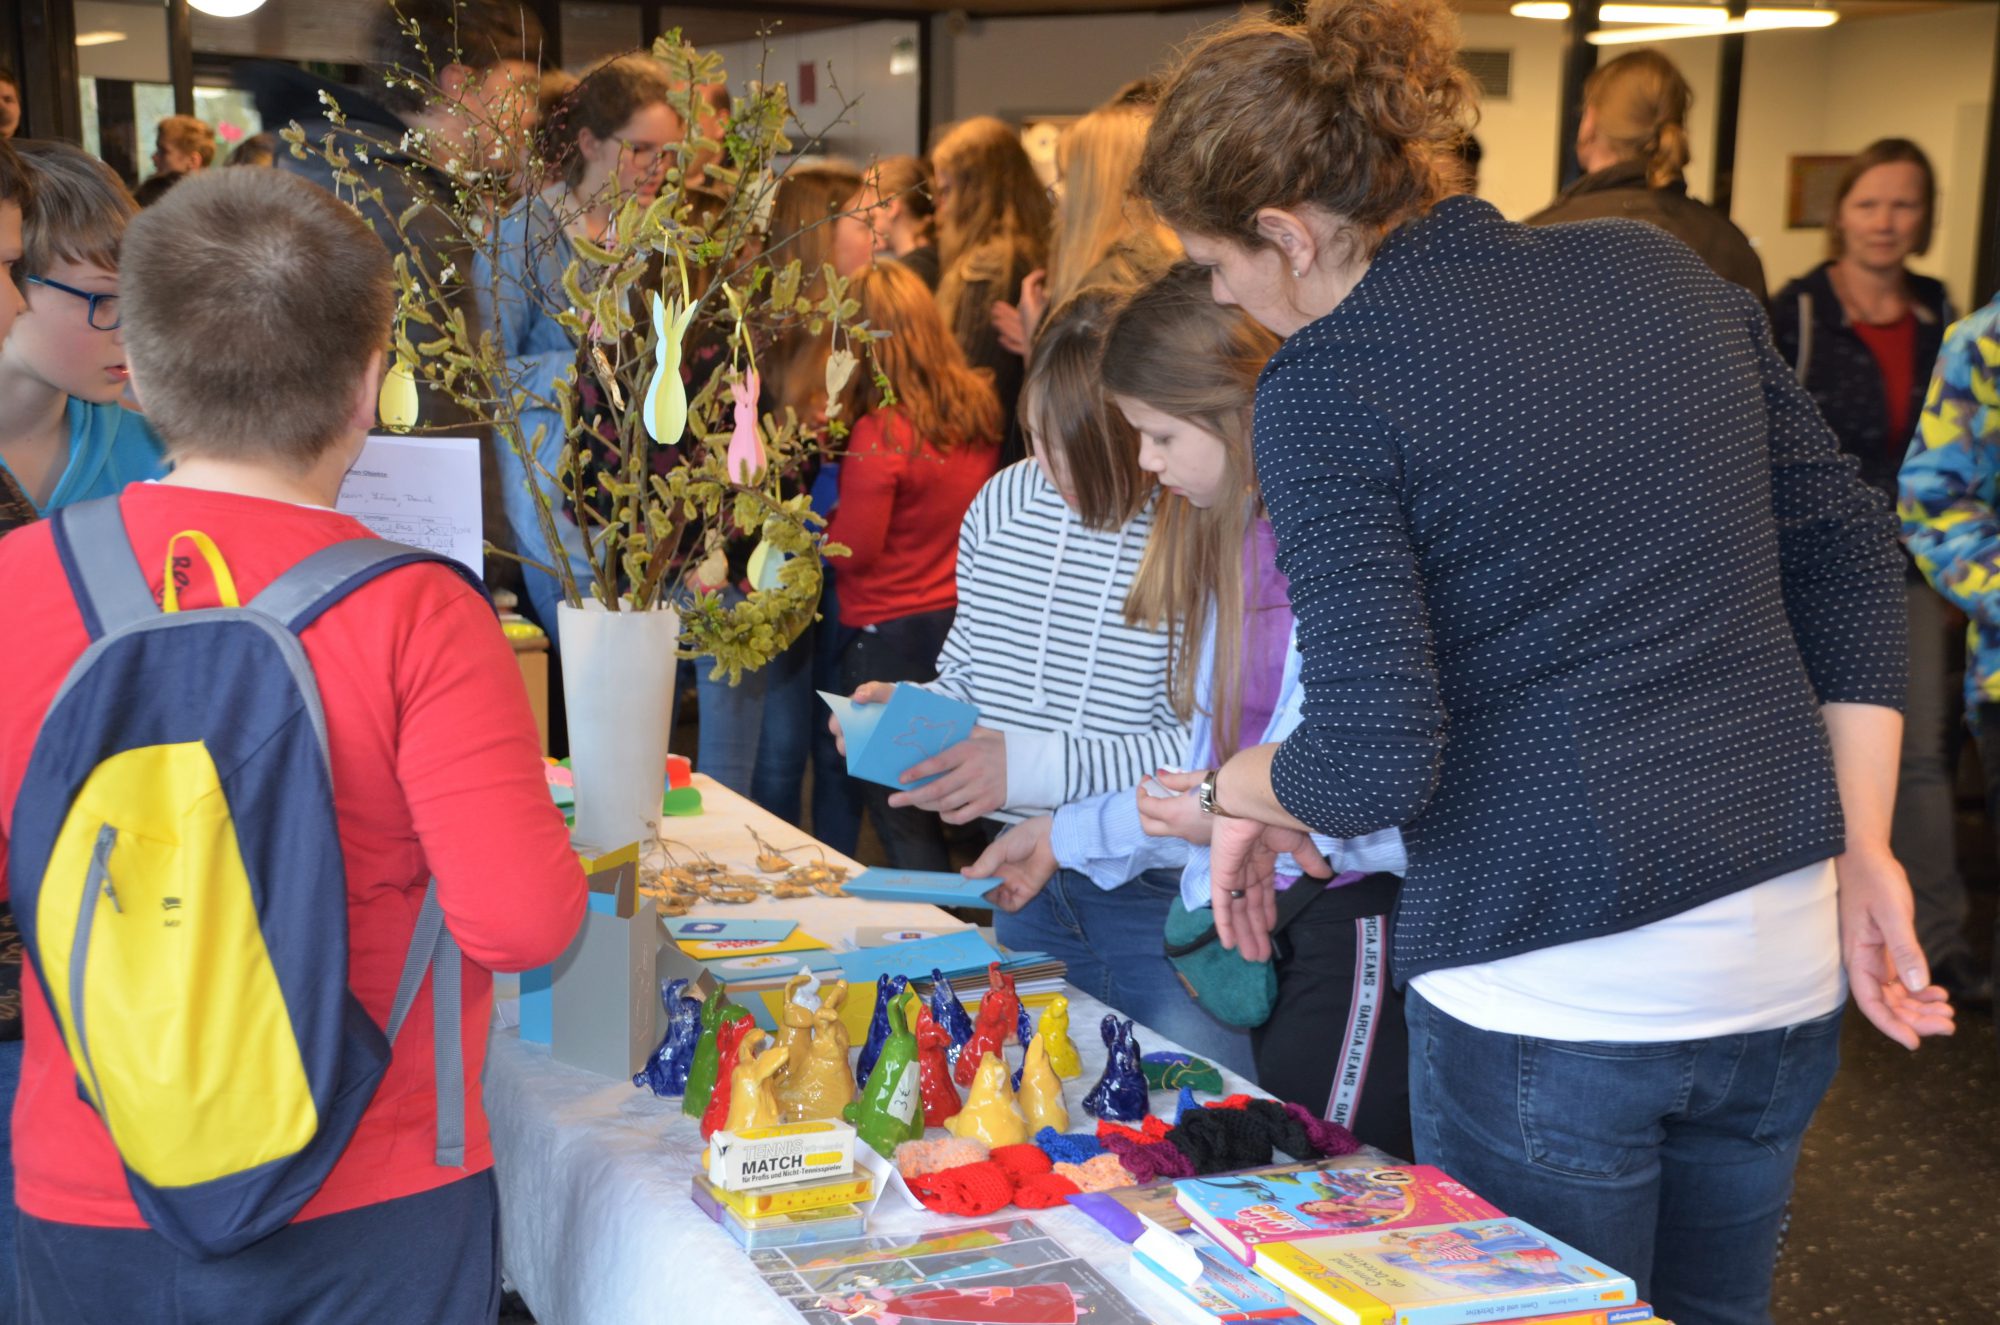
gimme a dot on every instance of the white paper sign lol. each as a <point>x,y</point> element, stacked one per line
<point>423,491</point>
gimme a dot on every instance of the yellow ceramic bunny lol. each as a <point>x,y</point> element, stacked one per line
<point>1054,1029</point>
<point>1041,1090</point>
<point>991,1113</point>
<point>833,998</point>
<point>825,1084</point>
<point>752,1101</point>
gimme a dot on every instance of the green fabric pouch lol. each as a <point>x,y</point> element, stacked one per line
<point>1234,991</point>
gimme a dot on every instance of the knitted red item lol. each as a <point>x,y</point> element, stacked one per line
<point>1228,1102</point>
<point>971,1189</point>
<point>1043,1191</point>
<point>1155,1128</point>
<point>1023,1161</point>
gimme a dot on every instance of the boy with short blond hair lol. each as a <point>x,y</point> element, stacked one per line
<point>64,437</point>
<point>264,385</point>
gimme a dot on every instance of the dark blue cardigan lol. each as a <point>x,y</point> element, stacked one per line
<point>1575,562</point>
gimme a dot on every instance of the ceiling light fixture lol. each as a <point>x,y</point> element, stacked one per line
<point>225,8</point>
<point>104,38</point>
<point>1757,20</point>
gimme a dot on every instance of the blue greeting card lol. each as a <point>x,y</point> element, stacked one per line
<point>938,887</point>
<point>883,740</point>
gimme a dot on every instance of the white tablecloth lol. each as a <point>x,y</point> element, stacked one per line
<point>596,1224</point>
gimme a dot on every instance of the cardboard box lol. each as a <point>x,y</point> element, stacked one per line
<point>784,1156</point>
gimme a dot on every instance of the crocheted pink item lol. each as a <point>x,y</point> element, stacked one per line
<point>1101,1173</point>
<point>916,1158</point>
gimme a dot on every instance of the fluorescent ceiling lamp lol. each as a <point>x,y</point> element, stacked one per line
<point>1757,20</point>
<point>98,38</point>
<point>225,8</point>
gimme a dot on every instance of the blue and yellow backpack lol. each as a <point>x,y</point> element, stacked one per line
<point>176,871</point>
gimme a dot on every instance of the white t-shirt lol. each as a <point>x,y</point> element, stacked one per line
<point>1759,959</point>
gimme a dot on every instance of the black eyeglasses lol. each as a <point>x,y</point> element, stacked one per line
<point>103,314</point>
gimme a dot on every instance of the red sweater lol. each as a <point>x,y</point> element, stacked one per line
<point>436,769</point>
<point>901,504</point>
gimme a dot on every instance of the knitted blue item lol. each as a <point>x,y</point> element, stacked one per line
<point>1185,1106</point>
<point>1068,1148</point>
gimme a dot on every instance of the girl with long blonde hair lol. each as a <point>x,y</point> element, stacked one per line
<point>1183,372</point>
<point>913,464</point>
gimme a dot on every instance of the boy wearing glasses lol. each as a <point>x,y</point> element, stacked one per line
<point>64,437</point>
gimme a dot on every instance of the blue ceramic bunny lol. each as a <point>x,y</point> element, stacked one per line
<point>888,988</point>
<point>1120,1094</point>
<point>667,1070</point>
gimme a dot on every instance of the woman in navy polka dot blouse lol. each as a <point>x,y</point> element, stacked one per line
<point>1591,605</point>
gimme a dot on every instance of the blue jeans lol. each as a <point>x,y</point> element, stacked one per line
<point>732,723</point>
<point>1671,1162</point>
<point>1113,941</point>
<point>796,733</point>
<point>10,1082</point>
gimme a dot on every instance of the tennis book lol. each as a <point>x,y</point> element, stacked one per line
<point>1442,1274</point>
<point>1245,1211</point>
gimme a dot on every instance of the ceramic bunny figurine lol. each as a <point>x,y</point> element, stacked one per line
<point>716,1010</point>
<point>729,1040</point>
<point>889,1112</point>
<point>1054,1031</point>
<point>888,988</point>
<point>1120,1094</point>
<point>998,1014</point>
<point>667,1070</point>
<point>752,1100</point>
<point>940,1096</point>
<point>949,1014</point>
<point>1041,1090</point>
<point>824,1086</point>
<point>991,1113</point>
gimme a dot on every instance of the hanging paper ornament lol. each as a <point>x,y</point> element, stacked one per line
<point>940,1096</point>
<point>840,367</point>
<point>666,407</point>
<point>746,448</point>
<point>765,563</point>
<point>1055,1034</point>
<point>991,1113</point>
<point>715,1009</point>
<point>396,403</point>
<point>887,1114</point>
<point>888,988</point>
<point>666,1070</point>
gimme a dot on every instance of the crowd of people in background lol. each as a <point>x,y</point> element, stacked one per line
<point>1468,617</point>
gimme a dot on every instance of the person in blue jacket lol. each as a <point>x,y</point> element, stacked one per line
<point>616,135</point>
<point>65,435</point>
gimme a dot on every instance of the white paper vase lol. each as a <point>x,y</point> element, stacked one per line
<point>618,685</point>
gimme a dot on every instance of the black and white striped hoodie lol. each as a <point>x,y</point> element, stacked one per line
<point>1040,645</point>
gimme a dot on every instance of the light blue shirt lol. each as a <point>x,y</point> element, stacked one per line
<point>1102,839</point>
<point>534,252</point>
<point>109,447</point>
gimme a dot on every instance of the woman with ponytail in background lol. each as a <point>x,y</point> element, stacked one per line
<point>1633,147</point>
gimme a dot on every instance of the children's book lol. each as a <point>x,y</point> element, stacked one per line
<point>1122,1210</point>
<point>1225,1291</point>
<point>938,887</point>
<point>1005,1271</point>
<point>1442,1274</point>
<point>884,740</point>
<point>1245,1211</point>
<point>963,950</point>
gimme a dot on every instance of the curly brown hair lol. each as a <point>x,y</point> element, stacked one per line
<point>1358,111</point>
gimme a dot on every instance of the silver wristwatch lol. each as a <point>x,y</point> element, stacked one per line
<point>1205,794</point>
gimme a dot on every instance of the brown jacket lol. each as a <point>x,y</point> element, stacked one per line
<point>1620,191</point>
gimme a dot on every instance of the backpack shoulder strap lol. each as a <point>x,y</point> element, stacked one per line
<point>103,570</point>
<point>307,590</point>
<point>433,949</point>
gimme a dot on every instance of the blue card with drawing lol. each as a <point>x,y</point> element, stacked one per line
<point>885,739</point>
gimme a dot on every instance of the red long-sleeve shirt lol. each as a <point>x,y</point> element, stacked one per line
<point>901,505</point>
<point>436,770</point>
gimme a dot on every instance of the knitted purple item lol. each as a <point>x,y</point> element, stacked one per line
<point>1068,1147</point>
<point>1327,1138</point>
<point>1149,1161</point>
